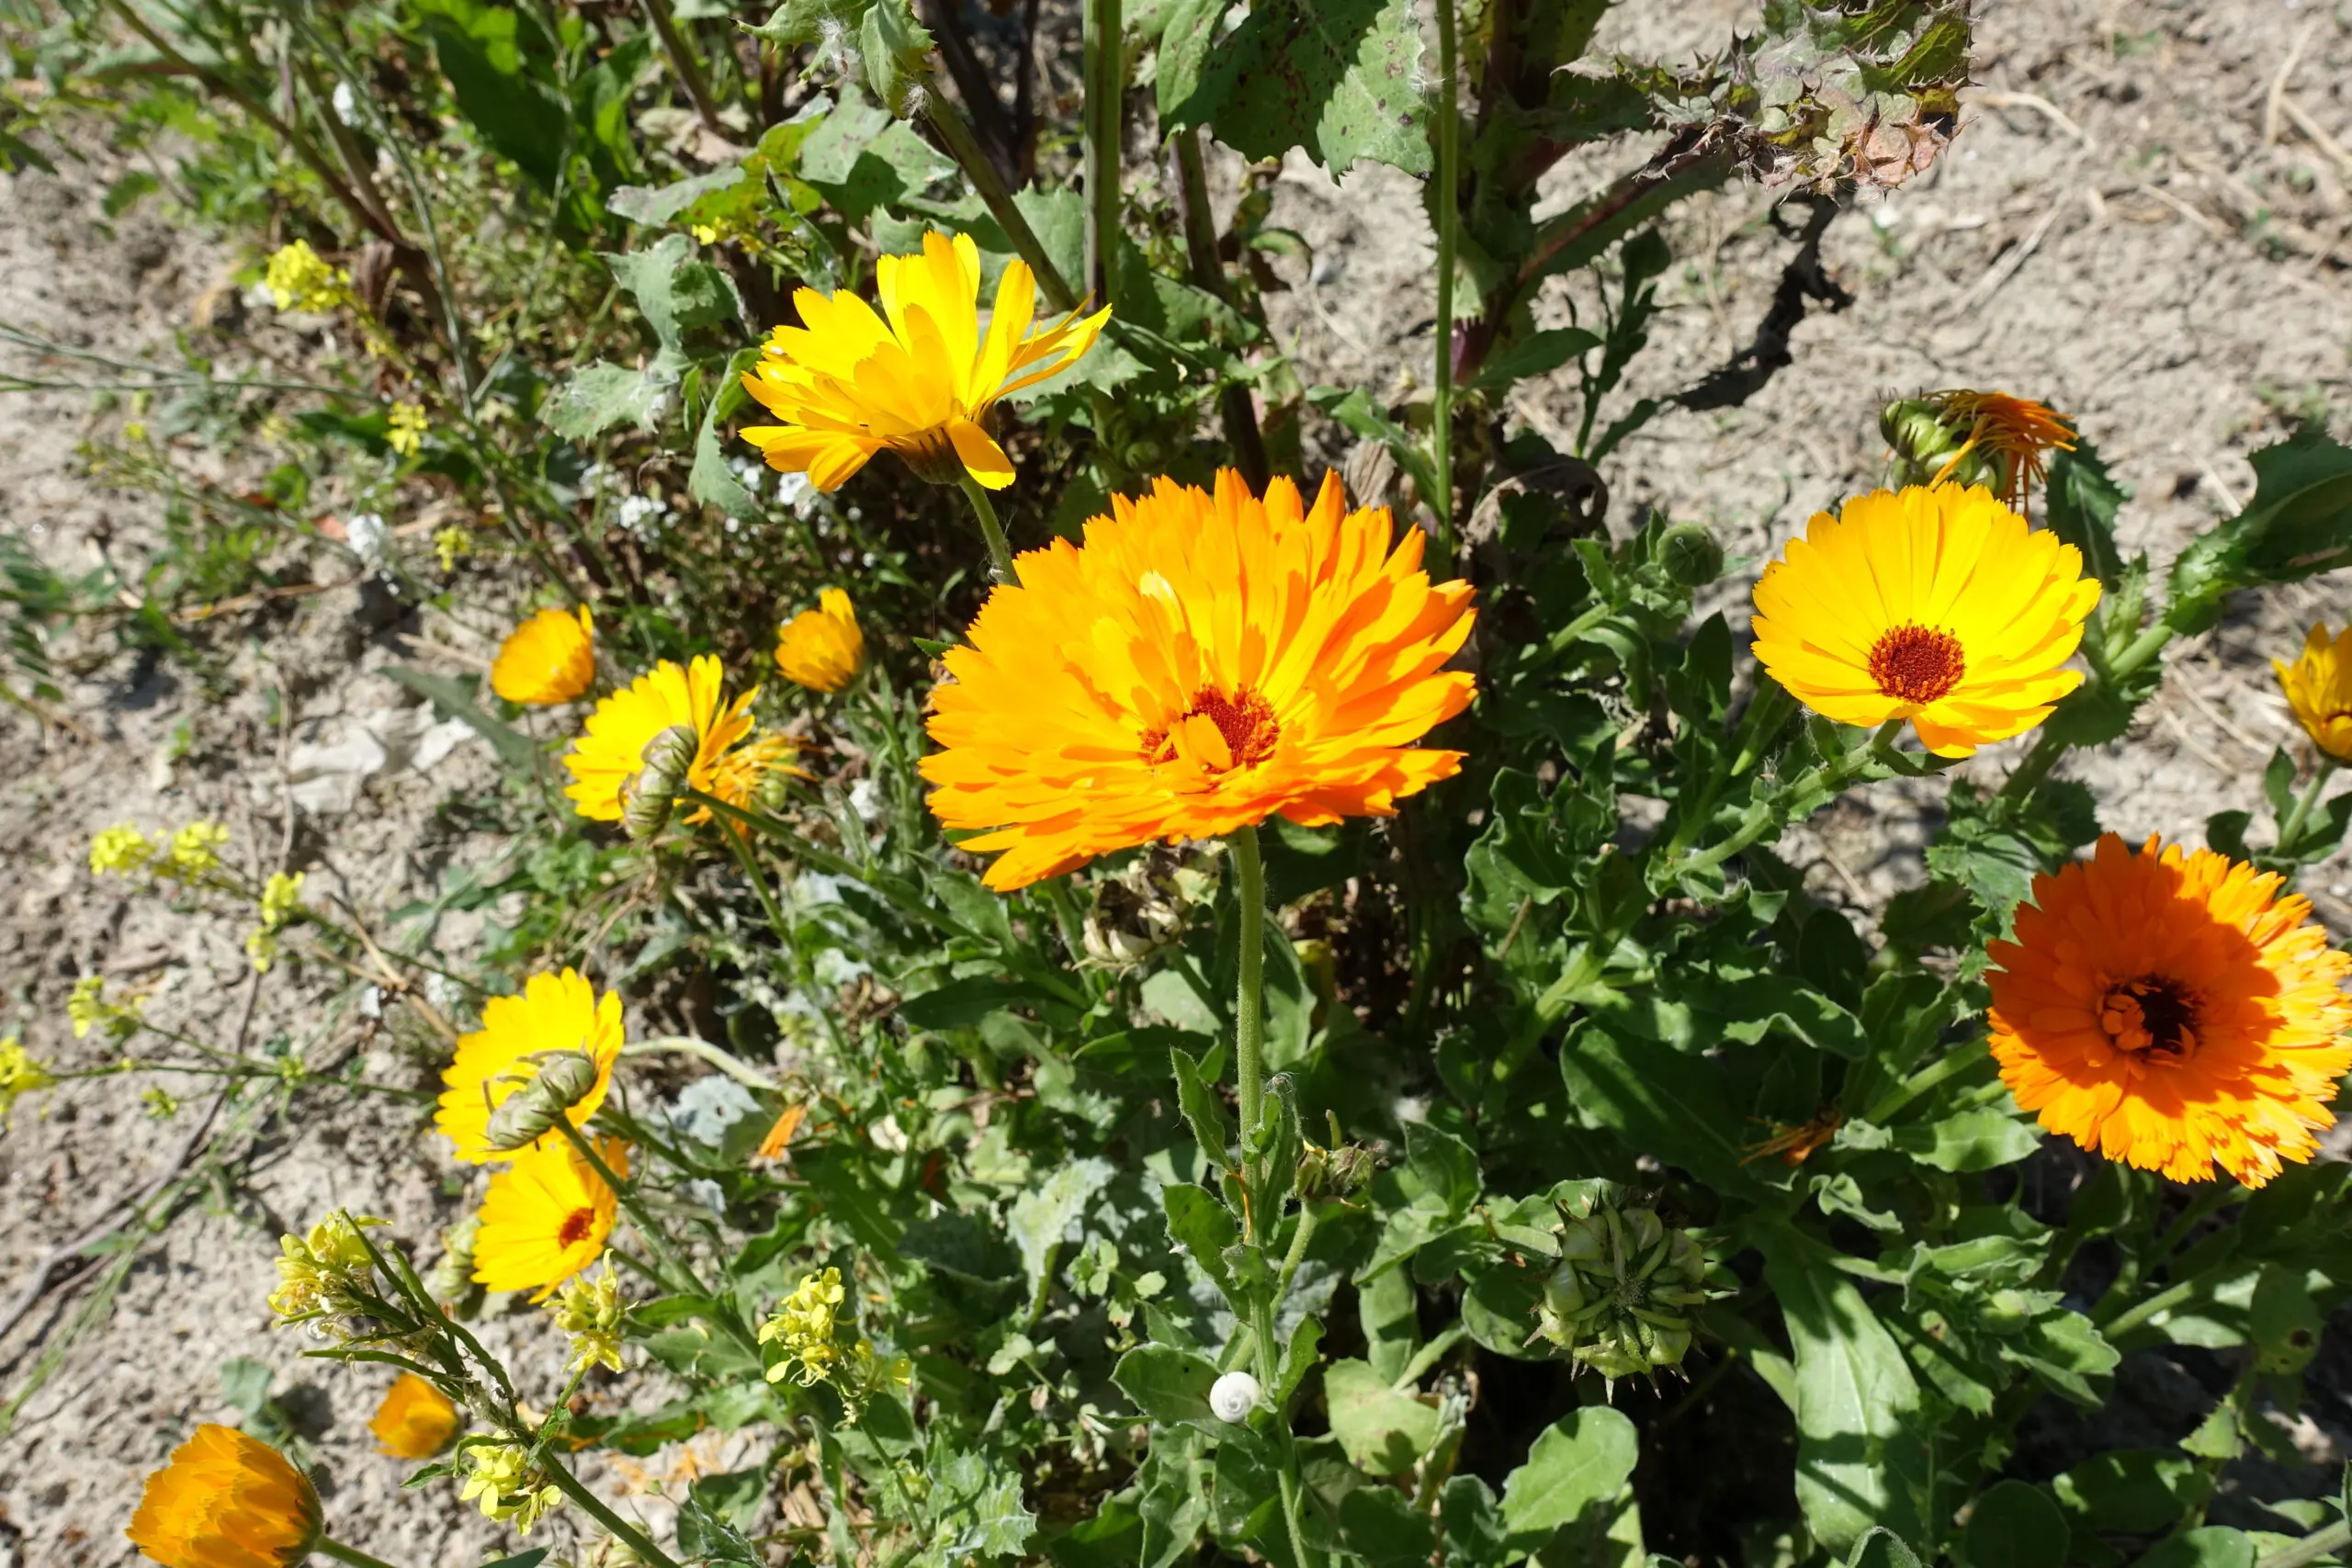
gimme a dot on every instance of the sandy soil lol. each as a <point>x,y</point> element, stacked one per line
<point>2128,228</point>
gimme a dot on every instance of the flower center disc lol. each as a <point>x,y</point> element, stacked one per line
<point>2150,1014</point>
<point>1217,733</point>
<point>576,1226</point>
<point>1917,664</point>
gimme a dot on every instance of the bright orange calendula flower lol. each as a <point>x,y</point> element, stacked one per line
<point>822,649</point>
<point>226,1500</point>
<point>1199,663</point>
<point>415,1420</point>
<point>610,752</point>
<point>2015,433</point>
<point>2319,688</point>
<point>2172,1011</point>
<point>551,657</point>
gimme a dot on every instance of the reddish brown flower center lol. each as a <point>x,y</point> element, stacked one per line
<point>576,1226</point>
<point>1217,733</point>
<point>1917,664</point>
<point>2152,1013</point>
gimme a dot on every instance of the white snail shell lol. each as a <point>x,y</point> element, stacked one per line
<point>1233,1396</point>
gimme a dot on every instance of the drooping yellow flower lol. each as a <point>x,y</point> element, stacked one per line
<point>408,425</point>
<point>822,649</point>
<point>20,1075</point>
<point>226,1500</point>
<point>1198,665</point>
<point>298,279</point>
<point>546,1217</point>
<point>919,379</point>
<point>1934,605</point>
<point>549,659</point>
<point>2319,688</point>
<point>2173,1011</point>
<point>415,1420</point>
<point>610,752</point>
<point>555,1013</point>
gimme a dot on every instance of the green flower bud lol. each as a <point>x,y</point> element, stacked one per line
<point>1620,1298</point>
<point>563,1080</point>
<point>1690,555</point>
<point>1923,444</point>
<point>645,800</point>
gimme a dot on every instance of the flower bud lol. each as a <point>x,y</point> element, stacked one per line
<point>645,800</point>
<point>1233,1396</point>
<point>1923,444</point>
<point>1620,1298</point>
<point>564,1078</point>
<point>1690,555</point>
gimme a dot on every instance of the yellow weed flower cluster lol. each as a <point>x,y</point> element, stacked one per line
<point>803,1326</point>
<point>822,649</point>
<point>227,1501</point>
<point>185,854</point>
<point>589,1312</point>
<point>407,426</point>
<point>281,899</point>
<point>508,1486</point>
<point>549,659</point>
<point>87,1009</point>
<point>298,279</point>
<point>415,1421</point>
<point>20,1075</point>
<point>325,1274</point>
<point>2318,685</point>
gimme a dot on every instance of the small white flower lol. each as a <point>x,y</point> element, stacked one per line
<point>1233,1396</point>
<point>795,493</point>
<point>866,799</point>
<point>634,510</point>
<point>344,102</point>
<point>368,539</point>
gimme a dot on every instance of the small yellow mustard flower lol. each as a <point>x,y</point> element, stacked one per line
<point>20,1075</point>
<point>119,850</point>
<point>408,428</point>
<point>298,279</point>
<point>195,850</point>
<point>705,233</point>
<point>281,898</point>
<point>510,1487</point>
<point>134,432</point>
<point>804,1326</point>
<point>318,1273</point>
<point>87,1008</point>
<point>590,1312</point>
<point>453,544</point>
<point>161,1104</point>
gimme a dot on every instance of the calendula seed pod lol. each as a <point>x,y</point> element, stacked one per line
<point>1691,554</point>
<point>563,1081</point>
<point>1144,908</point>
<point>645,800</point>
<point>1339,1172</point>
<point>452,1278</point>
<point>1622,1298</point>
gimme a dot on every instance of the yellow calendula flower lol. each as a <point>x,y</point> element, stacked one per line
<point>919,379</point>
<point>549,659</point>
<point>415,1421</point>
<point>1937,606</point>
<point>610,753</point>
<point>408,427</point>
<point>555,1013</point>
<point>546,1217</point>
<point>803,1325</point>
<point>226,1500</point>
<point>195,850</point>
<point>119,850</point>
<point>508,1486</point>
<point>2319,688</point>
<point>300,280</point>
<point>822,649</point>
<point>590,1312</point>
<point>20,1075</point>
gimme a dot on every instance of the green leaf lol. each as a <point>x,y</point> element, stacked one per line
<point>895,51</point>
<point>2284,1323</point>
<point>1353,408</point>
<point>711,480</point>
<point>1341,78</point>
<point>1384,1430</point>
<point>659,204</point>
<point>2132,1491</point>
<point>1586,1457</point>
<point>962,1004</point>
<point>1172,1506</point>
<point>1446,1166</point>
<point>1882,1549</point>
<point>861,158</point>
<point>2080,504</point>
<point>501,67</point>
<point>596,397</point>
<point>454,698</point>
<point>125,192</point>
<point>1381,1526</point>
<point>1538,354</point>
<point>2299,523</point>
<point>1473,1524</point>
<point>1041,1216</point>
<point>2015,1525</point>
<point>985,1516</point>
<point>808,21</point>
<point>1658,1099</point>
<point>675,292</point>
<point>1974,1140</point>
<point>1204,1113</point>
<point>2210,1546</point>
<point>1201,1226</point>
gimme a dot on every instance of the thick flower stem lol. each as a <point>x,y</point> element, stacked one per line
<point>681,53</point>
<point>329,1547</point>
<point>1449,136</point>
<point>2311,1549</point>
<point>1105,68</point>
<point>614,1526</point>
<point>1000,551</point>
<point>963,146</point>
<point>776,922</point>
<point>2048,748</point>
<point>2293,827</point>
<point>1250,1008</point>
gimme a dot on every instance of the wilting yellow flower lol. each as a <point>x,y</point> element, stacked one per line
<point>803,1325</point>
<point>546,1217</point>
<point>551,657</point>
<point>408,425</point>
<point>119,850</point>
<point>555,1013</point>
<point>590,1313</point>
<point>920,378</point>
<point>20,1075</point>
<point>415,1420</point>
<point>610,751</point>
<point>1934,605</point>
<point>226,1500</point>
<point>1198,665</point>
<point>325,1272</point>
<point>822,649</point>
<point>300,280</point>
<point>510,1487</point>
<point>2319,688</point>
<point>2015,431</point>
<point>2173,1011</point>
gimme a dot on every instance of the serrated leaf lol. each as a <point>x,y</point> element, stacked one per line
<point>1042,1217</point>
<point>895,51</point>
<point>2080,503</point>
<point>2299,523</point>
<point>1339,78</point>
<point>1202,1112</point>
<point>798,22</point>
<point>675,292</point>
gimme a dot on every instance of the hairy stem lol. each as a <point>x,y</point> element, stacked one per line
<point>680,52</point>
<point>955,131</point>
<point>620,1528</point>
<point>1248,1011</point>
<point>327,1546</point>
<point>1448,137</point>
<point>1105,77</point>
<point>1000,551</point>
<point>2293,827</point>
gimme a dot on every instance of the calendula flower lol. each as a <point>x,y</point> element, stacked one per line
<point>920,378</point>
<point>803,1325</point>
<point>752,774</point>
<point>822,649</point>
<point>590,1313</point>
<point>298,279</point>
<point>1934,605</point>
<point>195,850</point>
<point>2318,686</point>
<point>119,850</point>
<point>2172,1011</point>
<point>407,428</point>
<point>549,659</point>
<point>546,1217</point>
<point>226,1500</point>
<point>555,1013</point>
<point>415,1420</point>
<point>20,1075</point>
<point>325,1272</point>
<point>509,1486</point>
<point>610,752</point>
<point>2016,433</point>
<point>1199,664</point>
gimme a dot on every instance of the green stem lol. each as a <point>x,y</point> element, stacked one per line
<point>682,59</point>
<point>329,1547</point>
<point>1000,551</point>
<point>726,1062</point>
<point>2123,1322</point>
<point>776,922</point>
<point>614,1526</point>
<point>2293,827</point>
<point>1105,68</point>
<point>2311,1549</point>
<point>963,146</point>
<point>1269,1379</point>
<point>1950,1065</point>
<point>1298,1242</point>
<point>657,1242</point>
<point>1249,1008</point>
<point>1449,133</point>
<point>2048,748</point>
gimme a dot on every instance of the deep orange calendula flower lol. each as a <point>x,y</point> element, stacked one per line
<point>2018,432</point>
<point>551,657</point>
<point>2319,688</point>
<point>415,1420</point>
<point>1197,665</point>
<point>2173,1011</point>
<point>226,1500</point>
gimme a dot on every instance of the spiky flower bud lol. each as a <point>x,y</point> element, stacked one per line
<point>1339,1172</point>
<point>1922,447</point>
<point>1622,1298</point>
<point>564,1078</point>
<point>645,800</point>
